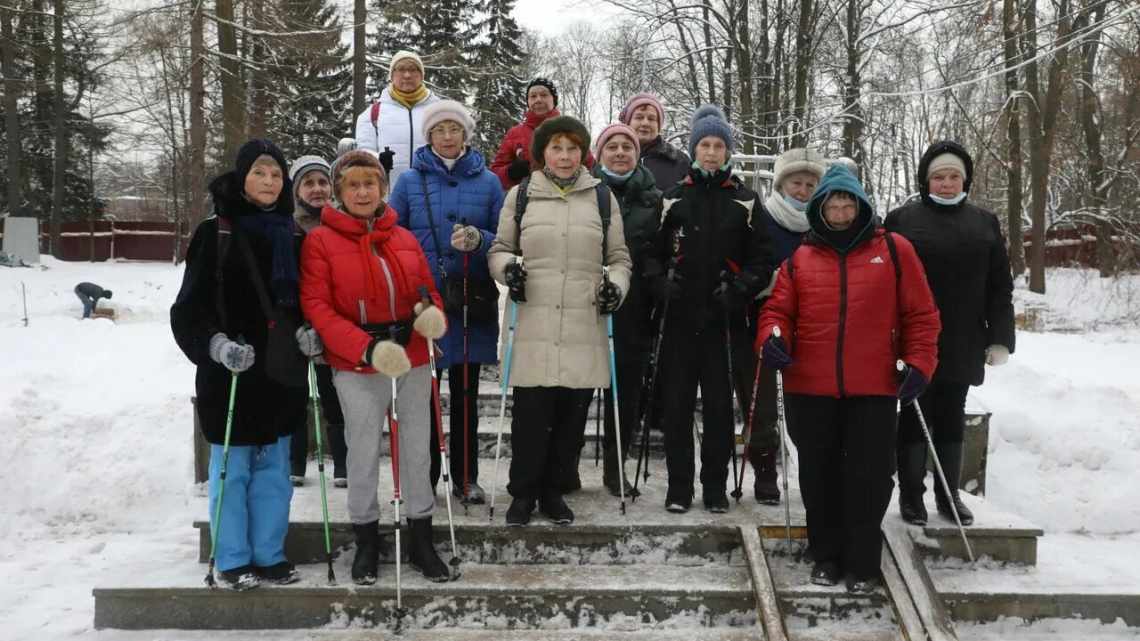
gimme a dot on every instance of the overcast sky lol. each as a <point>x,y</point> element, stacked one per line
<point>552,16</point>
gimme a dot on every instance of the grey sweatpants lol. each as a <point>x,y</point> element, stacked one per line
<point>365,399</point>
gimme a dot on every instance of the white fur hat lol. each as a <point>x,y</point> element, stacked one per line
<point>796,160</point>
<point>442,110</point>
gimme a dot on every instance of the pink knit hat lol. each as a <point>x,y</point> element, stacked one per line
<point>616,129</point>
<point>640,100</point>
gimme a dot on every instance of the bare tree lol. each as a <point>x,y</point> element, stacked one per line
<point>11,107</point>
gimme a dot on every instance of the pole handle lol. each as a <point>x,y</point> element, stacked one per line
<point>776,331</point>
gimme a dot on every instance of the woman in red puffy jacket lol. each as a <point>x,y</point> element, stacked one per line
<point>367,290</point>
<point>850,303</point>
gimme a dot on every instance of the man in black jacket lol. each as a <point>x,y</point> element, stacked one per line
<point>89,294</point>
<point>967,266</point>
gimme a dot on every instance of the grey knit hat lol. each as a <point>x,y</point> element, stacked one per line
<point>305,164</point>
<point>709,120</point>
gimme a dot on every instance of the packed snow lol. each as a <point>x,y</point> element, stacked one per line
<point>99,481</point>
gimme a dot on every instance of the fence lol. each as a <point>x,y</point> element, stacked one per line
<point>110,240</point>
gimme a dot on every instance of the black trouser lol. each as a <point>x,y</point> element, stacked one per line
<point>631,362</point>
<point>458,443</point>
<point>944,407</point>
<point>690,359</point>
<point>846,448</point>
<point>334,417</point>
<point>547,424</point>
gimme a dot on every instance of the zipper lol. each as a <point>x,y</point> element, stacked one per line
<point>842,323</point>
<point>391,288</point>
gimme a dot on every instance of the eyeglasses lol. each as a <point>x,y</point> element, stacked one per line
<point>448,132</point>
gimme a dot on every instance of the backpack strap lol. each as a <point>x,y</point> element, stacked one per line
<point>521,198</point>
<point>224,238</point>
<point>894,252</point>
<point>376,121</point>
<point>604,211</point>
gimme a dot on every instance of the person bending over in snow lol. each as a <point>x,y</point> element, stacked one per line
<point>89,294</point>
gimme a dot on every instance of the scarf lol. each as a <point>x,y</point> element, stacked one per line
<point>278,230</point>
<point>378,232</point>
<point>533,120</point>
<point>785,215</point>
<point>562,183</point>
<point>409,100</point>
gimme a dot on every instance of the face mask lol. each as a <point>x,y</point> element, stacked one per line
<point>949,201</point>
<point>795,204</point>
<point>618,178</point>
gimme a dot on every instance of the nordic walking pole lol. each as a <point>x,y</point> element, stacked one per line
<point>782,419</point>
<point>731,393</point>
<point>439,435</point>
<point>216,523</point>
<point>466,386</point>
<point>617,417</point>
<point>598,411</point>
<point>901,366</point>
<point>394,444</point>
<point>506,375</point>
<point>643,454</point>
<point>315,395</point>
<point>739,492</point>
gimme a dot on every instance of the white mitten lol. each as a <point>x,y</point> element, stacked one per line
<point>430,321</point>
<point>997,355</point>
<point>389,358</point>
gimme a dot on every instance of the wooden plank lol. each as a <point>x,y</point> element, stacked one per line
<point>766,603</point>
<point>935,617</point>
<point>910,624</point>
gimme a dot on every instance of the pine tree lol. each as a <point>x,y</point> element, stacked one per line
<point>496,61</point>
<point>438,31</point>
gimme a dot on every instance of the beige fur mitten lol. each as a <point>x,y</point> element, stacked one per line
<point>430,321</point>
<point>390,359</point>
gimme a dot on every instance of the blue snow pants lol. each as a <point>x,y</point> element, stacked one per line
<point>255,509</point>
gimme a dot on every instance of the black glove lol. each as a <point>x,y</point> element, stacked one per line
<point>774,353</point>
<point>386,158</point>
<point>913,384</point>
<point>609,297</point>
<point>518,169</point>
<point>735,289</point>
<point>516,281</point>
<point>664,288</point>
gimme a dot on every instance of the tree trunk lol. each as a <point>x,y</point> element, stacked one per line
<point>197,119</point>
<point>710,81</point>
<point>803,69</point>
<point>744,65</point>
<point>258,78</point>
<point>59,124</point>
<point>687,51</point>
<point>233,93</point>
<point>1010,32</point>
<point>11,106</point>
<point>1097,189</point>
<point>853,124</point>
<point>359,70</point>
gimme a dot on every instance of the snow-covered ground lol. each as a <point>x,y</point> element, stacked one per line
<point>95,417</point>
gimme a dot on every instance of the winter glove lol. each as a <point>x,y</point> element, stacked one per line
<point>516,281</point>
<point>308,341</point>
<point>518,169</point>
<point>465,238</point>
<point>997,355</point>
<point>913,384</point>
<point>664,288</point>
<point>386,157</point>
<point>774,353</point>
<point>387,357</point>
<point>609,297</point>
<point>233,356</point>
<point>735,289</point>
<point>430,321</point>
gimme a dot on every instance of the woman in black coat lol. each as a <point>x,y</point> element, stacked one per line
<point>967,265</point>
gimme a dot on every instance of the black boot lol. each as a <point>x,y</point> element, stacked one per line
<point>554,507</point>
<point>912,473</point>
<point>765,484</point>
<point>950,455</point>
<point>366,563</point>
<point>421,551</point>
<point>518,514</point>
<point>610,474</point>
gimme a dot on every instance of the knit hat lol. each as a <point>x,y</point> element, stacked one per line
<point>438,112</point>
<point>640,100</point>
<point>545,82</point>
<point>946,161</point>
<point>401,56</point>
<point>616,129</point>
<point>355,158</point>
<point>248,154</point>
<point>709,120</point>
<point>304,165</point>
<point>796,160</point>
<point>557,125</point>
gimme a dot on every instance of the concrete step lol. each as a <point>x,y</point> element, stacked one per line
<point>485,596</point>
<point>454,634</point>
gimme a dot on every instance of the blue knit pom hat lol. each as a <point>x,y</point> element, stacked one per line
<point>709,120</point>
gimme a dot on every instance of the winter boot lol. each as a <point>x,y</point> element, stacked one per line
<point>610,475</point>
<point>950,455</point>
<point>678,501</point>
<point>297,474</point>
<point>912,473</point>
<point>825,573</point>
<point>475,494</point>
<point>518,514</point>
<point>765,485</point>
<point>240,578</point>
<point>862,586</point>
<point>554,507</point>
<point>421,552</point>
<point>366,563</point>
<point>282,573</point>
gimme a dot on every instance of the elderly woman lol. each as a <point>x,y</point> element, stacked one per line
<point>367,289</point>
<point>241,272</point>
<point>848,304</point>
<point>451,202</point>
<point>567,267</point>
<point>962,248</point>
<point>645,115</point>
<point>618,150</point>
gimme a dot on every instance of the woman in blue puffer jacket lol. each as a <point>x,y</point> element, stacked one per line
<point>451,201</point>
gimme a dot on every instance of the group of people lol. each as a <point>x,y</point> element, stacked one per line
<point>384,263</point>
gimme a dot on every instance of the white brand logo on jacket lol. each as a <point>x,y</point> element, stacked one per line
<point>877,260</point>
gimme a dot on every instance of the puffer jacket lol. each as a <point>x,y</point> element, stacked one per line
<point>468,194</point>
<point>397,128</point>
<point>844,313</point>
<point>560,339</point>
<point>668,164</point>
<point>356,272</point>
<point>964,253</point>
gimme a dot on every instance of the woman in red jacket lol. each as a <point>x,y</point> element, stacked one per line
<point>850,302</point>
<point>367,290</point>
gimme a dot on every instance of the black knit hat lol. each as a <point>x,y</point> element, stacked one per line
<point>251,151</point>
<point>557,125</point>
<point>545,82</point>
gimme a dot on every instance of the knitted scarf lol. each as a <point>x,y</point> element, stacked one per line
<point>409,100</point>
<point>785,215</point>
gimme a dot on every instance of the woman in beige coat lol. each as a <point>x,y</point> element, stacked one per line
<point>566,269</point>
